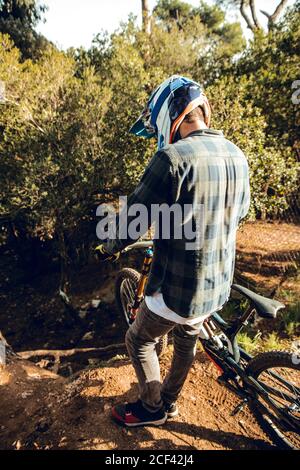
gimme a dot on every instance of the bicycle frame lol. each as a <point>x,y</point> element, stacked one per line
<point>139,294</point>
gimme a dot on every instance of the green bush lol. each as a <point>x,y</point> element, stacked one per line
<point>270,66</point>
<point>51,150</point>
<point>64,124</point>
<point>273,167</point>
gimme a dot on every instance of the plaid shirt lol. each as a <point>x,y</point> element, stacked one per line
<point>203,168</point>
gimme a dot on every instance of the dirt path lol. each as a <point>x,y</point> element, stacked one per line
<point>40,410</point>
<point>268,254</point>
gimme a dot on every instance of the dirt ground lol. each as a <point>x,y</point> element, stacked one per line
<point>42,410</point>
<point>268,255</point>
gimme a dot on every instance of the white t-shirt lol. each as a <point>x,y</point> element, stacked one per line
<point>157,305</point>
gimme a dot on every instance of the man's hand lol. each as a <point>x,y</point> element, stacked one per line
<point>102,254</point>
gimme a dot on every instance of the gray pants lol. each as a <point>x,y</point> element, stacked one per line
<point>141,339</point>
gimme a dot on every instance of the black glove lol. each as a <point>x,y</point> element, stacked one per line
<point>103,255</point>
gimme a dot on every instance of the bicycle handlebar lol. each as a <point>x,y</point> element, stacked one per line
<point>137,245</point>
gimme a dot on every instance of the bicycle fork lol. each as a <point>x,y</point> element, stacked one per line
<point>139,294</point>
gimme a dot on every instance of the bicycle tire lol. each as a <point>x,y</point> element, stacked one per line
<point>259,364</point>
<point>133,277</point>
<point>125,274</point>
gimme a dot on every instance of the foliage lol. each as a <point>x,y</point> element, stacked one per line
<point>273,170</point>
<point>200,36</point>
<point>51,147</point>
<point>127,81</point>
<point>132,63</point>
<point>173,10</point>
<point>258,343</point>
<point>249,344</point>
<point>18,18</point>
<point>291,319</point>
<point>272,342</point>
<point>64,141</point>
<point>271,65</point>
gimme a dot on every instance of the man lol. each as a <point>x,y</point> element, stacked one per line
<point>194,165</point>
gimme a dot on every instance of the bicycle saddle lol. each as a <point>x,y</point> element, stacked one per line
<point>266,308</point>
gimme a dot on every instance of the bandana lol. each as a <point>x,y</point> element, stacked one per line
<point>167,107</point>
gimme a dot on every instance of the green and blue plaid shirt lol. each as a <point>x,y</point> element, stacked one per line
<point>202,169</point>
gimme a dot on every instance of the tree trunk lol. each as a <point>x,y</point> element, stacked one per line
<point>146,16</point>
<point>64,263</point>
<point>254,15</point>
<point>65,276</point>
<point>273,18</point>
<point>245,15</point>
<point>251,18</point>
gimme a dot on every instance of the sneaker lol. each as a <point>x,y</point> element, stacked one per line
<point>171,409</point>
<point>134,414</point>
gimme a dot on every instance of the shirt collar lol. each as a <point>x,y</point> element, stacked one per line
<point>209,132</point>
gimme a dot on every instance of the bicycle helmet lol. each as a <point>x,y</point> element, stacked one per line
<point>167,107</point>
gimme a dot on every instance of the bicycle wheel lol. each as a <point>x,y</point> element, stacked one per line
<point>279,375</point>
<point>125,288</point>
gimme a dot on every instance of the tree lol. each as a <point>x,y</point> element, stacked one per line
<point>120,65</point>
<point>146,16</point>
<point>173,11</point>
<point>18,18</point>
<point>192,51</point>
<point>201,35</point>
<point>65,117</point>
<point>271,65</point>
<point>52,163</point>
<point>273,166</point>
<point>248,11</point>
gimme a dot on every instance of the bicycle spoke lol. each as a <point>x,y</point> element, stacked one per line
<point>130,289</point>
<point>282,387</point>
<point>127,291</point>
<point>284,382</point>
<point>279,393</point>
<point>127,296</point>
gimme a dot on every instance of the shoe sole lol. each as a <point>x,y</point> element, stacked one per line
<point>173,414</point>
<point>144,423</point>
<point>147,423</point>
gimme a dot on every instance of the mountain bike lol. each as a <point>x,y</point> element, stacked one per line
<point>268,383</point>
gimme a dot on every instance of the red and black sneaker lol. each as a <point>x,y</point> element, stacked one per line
<point>134,414</point>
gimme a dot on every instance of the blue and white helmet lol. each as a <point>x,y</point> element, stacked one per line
<point>167,107</point>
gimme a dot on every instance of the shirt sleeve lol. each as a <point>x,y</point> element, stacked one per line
<point>155,187</point>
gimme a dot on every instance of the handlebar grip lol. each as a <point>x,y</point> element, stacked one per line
<point>137,245</point>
